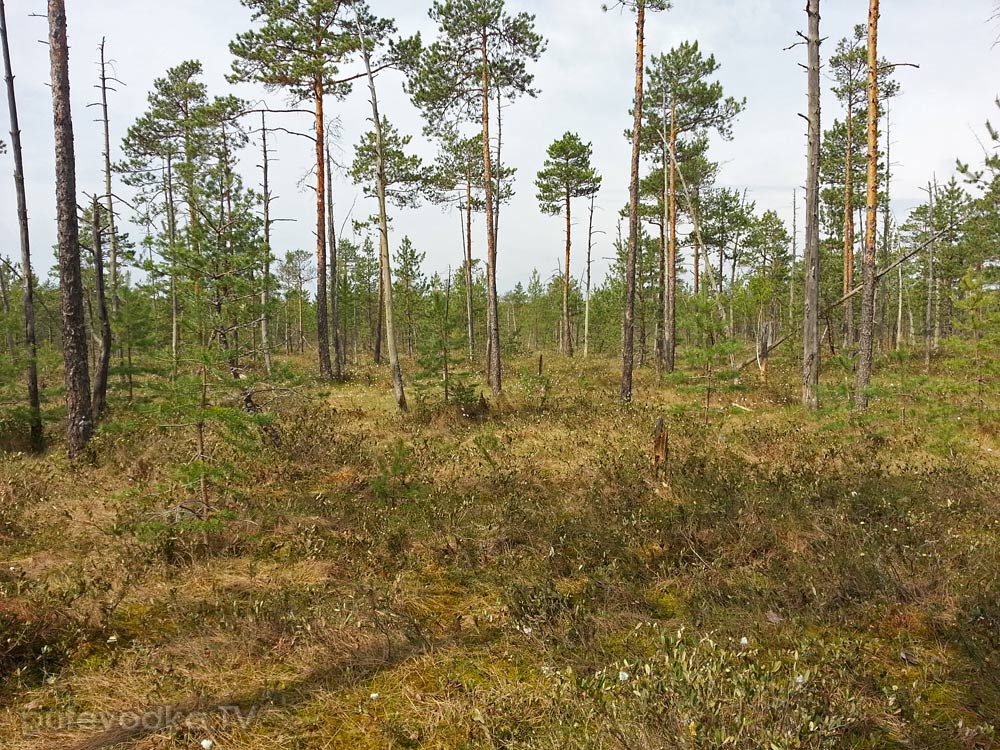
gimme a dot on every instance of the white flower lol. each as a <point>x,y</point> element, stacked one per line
<point>526,630</point>
<point>800,680</point>
<point>373,696</point>
<point>207,744</point>
<point>744,642</point>
<point>623,676</point>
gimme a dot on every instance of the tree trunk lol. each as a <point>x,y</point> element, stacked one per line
<point>810,335</point>
<point>100,398</point>
<point>383,222</point>
<point>670,321</point>
<point>849,337</point>
<point>334,268</point>
<point>795,252</point>
<point>109,200</point>
<point>494,365</point>
<point>80,424</point>
<point>5,300</point>
<point>628,317</point>
<point>322,332</point>
<point>175,322</point>
<point>567,333</point>
<point>37,438</point>
<point>867,342</point>
<point>265,289</point>
<point>469,309</point>
<point>586,310</point>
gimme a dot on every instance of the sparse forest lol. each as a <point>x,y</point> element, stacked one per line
<point>714,472</point>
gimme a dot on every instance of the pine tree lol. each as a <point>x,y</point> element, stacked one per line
<point>682,99</point>
<point>628,317</point>
<point>300,46</point>
<point>566,174</point>
<point>481,51</point>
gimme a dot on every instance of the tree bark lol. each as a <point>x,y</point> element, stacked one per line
<point>670,319</point>
<point>334,266</point>
<point>810,336</point>
<point>586,310</point>
<point>36,435</point>
<point>867,342</point>
<point>628,317</point>
<point>567,333</point>
<point>849,223</point>
<point>265,289</point>
<point>322,332</point>
<point>494,364</point>
<point>80,424</point>
<point>100,397</point>
<point>5,299</point>
<point>383,222</point>
<point>469,308</point>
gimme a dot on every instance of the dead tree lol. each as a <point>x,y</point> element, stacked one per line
<point>871,218</point>
<point>100,397</point>
<point>810,336</point>
<point>27,278</point>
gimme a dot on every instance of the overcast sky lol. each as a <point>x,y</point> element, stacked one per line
<point>585,79</point>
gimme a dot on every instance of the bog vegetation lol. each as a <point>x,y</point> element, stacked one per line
<point>728,496</point>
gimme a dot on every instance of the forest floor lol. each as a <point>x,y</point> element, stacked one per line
<point>519,579</point>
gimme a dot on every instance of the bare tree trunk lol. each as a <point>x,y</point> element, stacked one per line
<point>849,336</point>
<point>795,253</point>
<point>494,364</point>
<point>628,317</point>
<point>810,335</point>
<point>383,222</point>
<point>100,397</point>
<point>5,299</point>
<point>175,323</point>
<point>302,335</point>
<point>871,218</point>
<point>80,424</point>
<point>469,309</point>
<point>670,337</point>
<point>37,437</point>
<point>586,309</point>
<point>899,313</point>
<point>567,332</point>
<point>265,289</point>
<point>109,200</point>
<point>322,333</point>
<point>331,231</point>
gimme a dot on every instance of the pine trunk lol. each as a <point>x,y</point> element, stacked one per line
<point>334,271</point>
<point>628,317</point>
<point>37,437</point>
<point>100,398</point>
<point>671,317</point>
<point>849,225</point>
<point>80,424</point>
<point>265,289</point>
<point>469,310</point>
<point>811,338</point>
<point>322,331</point>
<point>567,332</point>
<point>867,340</point>
<point>385,263</point>
<point>494,365</point>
